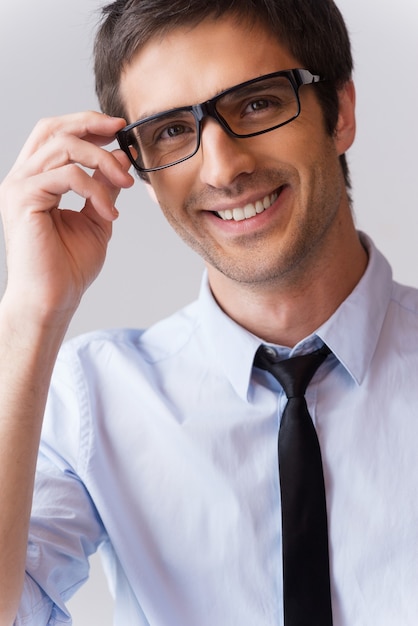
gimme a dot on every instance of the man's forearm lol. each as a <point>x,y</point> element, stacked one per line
<point>27,358</point>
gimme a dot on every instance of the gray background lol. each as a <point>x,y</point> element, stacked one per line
<point>45,69</point>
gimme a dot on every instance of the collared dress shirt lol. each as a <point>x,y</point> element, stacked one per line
<point>160,448</point>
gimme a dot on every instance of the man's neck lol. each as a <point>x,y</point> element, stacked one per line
<point>288,309</point>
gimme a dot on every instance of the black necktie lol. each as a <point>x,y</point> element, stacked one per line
<point>306,585</point>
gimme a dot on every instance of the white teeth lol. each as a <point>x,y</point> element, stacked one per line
<point>238,215</point>
<point>250,210</point>
<point>267,202</point>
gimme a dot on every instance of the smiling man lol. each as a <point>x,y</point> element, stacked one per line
<point>251,459</point>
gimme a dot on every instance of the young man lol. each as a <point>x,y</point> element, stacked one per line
<point>161,446</point>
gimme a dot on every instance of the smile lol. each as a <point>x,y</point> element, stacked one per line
<point>249,210</point>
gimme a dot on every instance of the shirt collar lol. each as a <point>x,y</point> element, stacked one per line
<point>352,332</point>
<point>231,346</point>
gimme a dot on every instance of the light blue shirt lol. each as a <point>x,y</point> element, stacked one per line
<point>161,447</point>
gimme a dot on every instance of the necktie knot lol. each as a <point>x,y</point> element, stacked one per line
<point>293,374</point>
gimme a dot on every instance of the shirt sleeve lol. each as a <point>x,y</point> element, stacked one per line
<point>65,528</point>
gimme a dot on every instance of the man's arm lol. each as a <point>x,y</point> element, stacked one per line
<point>52,257</point>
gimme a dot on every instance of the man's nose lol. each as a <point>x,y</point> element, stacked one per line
<point>223,157</point>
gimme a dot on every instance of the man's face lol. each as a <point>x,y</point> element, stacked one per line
<point>293,171</point>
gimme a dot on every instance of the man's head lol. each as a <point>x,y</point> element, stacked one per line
<point>312,30</point>
<point>258,206</point>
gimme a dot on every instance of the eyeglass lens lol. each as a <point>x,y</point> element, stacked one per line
<point>249,110</point>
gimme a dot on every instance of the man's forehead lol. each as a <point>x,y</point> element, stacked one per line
<point>190,65</point>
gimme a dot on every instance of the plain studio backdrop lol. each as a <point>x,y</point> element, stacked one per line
<point>46,69</point>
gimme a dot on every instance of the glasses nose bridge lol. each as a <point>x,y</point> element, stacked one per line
<point>208,109</point>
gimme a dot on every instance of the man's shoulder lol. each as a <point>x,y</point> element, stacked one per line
<point>97,341</point>
<point>162,338</point>
<point>405,298</point>
<point>400,325</point>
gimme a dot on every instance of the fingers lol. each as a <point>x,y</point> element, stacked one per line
<point>54,159</point>
<point>41,193</point>
<point>64,150</point>
<point>112,189</point>
<point>93,127</point>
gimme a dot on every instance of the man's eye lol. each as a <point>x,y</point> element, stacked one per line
<point>259,105</point>
<point>262,105</point>
<point>173,131</point>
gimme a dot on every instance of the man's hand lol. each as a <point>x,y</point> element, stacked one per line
<point>53,254</point>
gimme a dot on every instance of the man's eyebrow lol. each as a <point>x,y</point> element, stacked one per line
<point>137,118</point>
<point>159,112</point>
<point>246,90</point>
<point>173,114</point>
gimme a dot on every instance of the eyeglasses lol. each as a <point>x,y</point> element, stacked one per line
<point>246,110</point>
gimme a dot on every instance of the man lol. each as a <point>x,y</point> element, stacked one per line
<point>161,446</point>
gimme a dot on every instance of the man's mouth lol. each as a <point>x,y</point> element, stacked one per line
<point>249,210</point>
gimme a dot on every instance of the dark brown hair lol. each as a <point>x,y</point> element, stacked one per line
<point>313,31</point>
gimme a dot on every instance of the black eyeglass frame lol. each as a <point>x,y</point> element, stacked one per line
<point>296,77</point>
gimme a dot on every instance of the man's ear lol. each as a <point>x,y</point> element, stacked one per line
<point>345,130</point>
